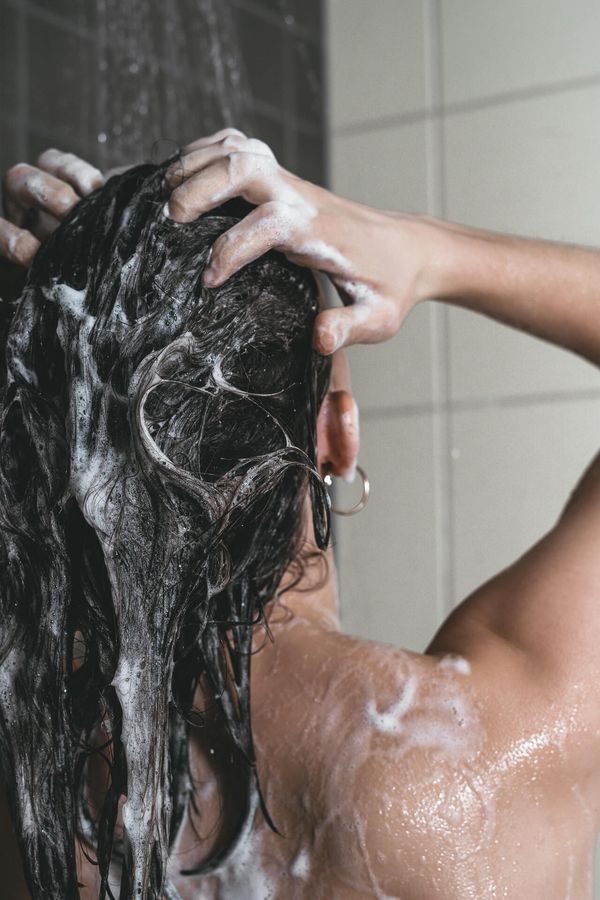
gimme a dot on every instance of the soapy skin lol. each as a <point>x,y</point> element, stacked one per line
<point>471,770</point>
<point>466,772</point>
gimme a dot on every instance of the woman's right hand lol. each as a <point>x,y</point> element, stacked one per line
<point>379,261</point>
<point>37,198</point>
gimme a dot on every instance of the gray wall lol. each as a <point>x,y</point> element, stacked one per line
<point>49,79</point>
<point>473,435</point>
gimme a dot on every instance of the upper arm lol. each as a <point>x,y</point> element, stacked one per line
<point>546,605</point>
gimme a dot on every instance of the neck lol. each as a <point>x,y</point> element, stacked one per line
<point>314,597</point>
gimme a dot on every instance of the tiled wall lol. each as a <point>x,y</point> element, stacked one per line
<point>483,112</point>
<point>473,435</point>
<point>49,75</point>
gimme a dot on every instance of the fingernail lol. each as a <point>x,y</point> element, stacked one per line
<point>166,211</point>
<point>209,277</point>
<point>327,342</point>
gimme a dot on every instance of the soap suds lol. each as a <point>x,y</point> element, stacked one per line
<point>300,867</point>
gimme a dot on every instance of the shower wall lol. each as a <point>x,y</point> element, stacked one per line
<point>51,72</point>
<point>473,435</point>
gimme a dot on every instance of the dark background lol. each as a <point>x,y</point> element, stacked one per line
<point>49,69</point>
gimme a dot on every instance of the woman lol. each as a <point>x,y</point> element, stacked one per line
<point>467,771</point>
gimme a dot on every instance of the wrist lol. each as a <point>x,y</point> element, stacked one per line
<point>440,250</point>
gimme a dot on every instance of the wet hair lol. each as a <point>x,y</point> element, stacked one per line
<point>157,445</point>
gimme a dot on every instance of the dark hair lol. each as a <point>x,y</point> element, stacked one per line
<point>157,442</point>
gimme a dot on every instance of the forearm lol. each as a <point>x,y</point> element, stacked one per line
<point>547,289</point>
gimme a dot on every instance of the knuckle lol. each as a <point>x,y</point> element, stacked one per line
<point>66,197</point>
<point>393,314</point>
<point>234,131</point>
<point>179,203</point>
<point>237,165</point>
<point>260,147</point>
<point>175,174</point>
<point>16,173</point>
<point>275,215</point>
<point>70,162</point>
<point>231,140</point>
<point>49,155</point>
<point>275,209</point>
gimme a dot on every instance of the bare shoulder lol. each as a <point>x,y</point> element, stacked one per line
<point>401,756</point>
<point>532,633</point>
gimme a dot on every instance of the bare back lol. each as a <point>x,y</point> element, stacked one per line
<point>397,775</point>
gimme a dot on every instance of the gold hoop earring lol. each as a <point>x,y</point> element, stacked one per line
<point>364,497</point>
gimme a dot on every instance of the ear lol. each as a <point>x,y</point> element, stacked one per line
<point>337,424</point>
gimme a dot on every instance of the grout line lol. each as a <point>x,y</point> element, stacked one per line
<point>440,365</point>
<point>279,20</point>
<point>255,107</point>
<point>22,116</point>
<point>326,88</point>
<point>42,14</point>
<point>336,531</point>
<point>434,206</point>
<point>9,119</point>
<point>475,404</point>
<point>290,142</point>
<point>264,108</point>
<point>441,110</point>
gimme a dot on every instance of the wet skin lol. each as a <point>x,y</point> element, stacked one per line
<point>470,771</point>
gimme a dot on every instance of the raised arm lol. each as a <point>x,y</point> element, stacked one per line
<point>548,289</point>
<point>383,263</point>
<point>547,605</point>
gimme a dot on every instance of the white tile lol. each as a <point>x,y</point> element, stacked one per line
<point>490,47</point>
<point>375,59</point>
<point>513,470</point>
<point>385,167</point>
<point>491,360</point>
<point>528,167</point>
<point>397,372</point>
<point>387,553</point>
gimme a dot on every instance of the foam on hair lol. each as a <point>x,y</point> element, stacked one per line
<point>157,442</point>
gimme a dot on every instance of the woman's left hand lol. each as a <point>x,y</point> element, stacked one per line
<point>37,198</point>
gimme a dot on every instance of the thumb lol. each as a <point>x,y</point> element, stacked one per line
<point>338,327</point>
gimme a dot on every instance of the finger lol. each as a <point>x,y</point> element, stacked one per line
<point>202,157</point>
<point>199,159</point>
<point>269,226</point>
<point>82,176</point>
<point>43,225</point>
<point>213,138</point>
<point>343,326</point>
<point>26,188</point>
<point>249,175</point>
<point>16,244</point>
